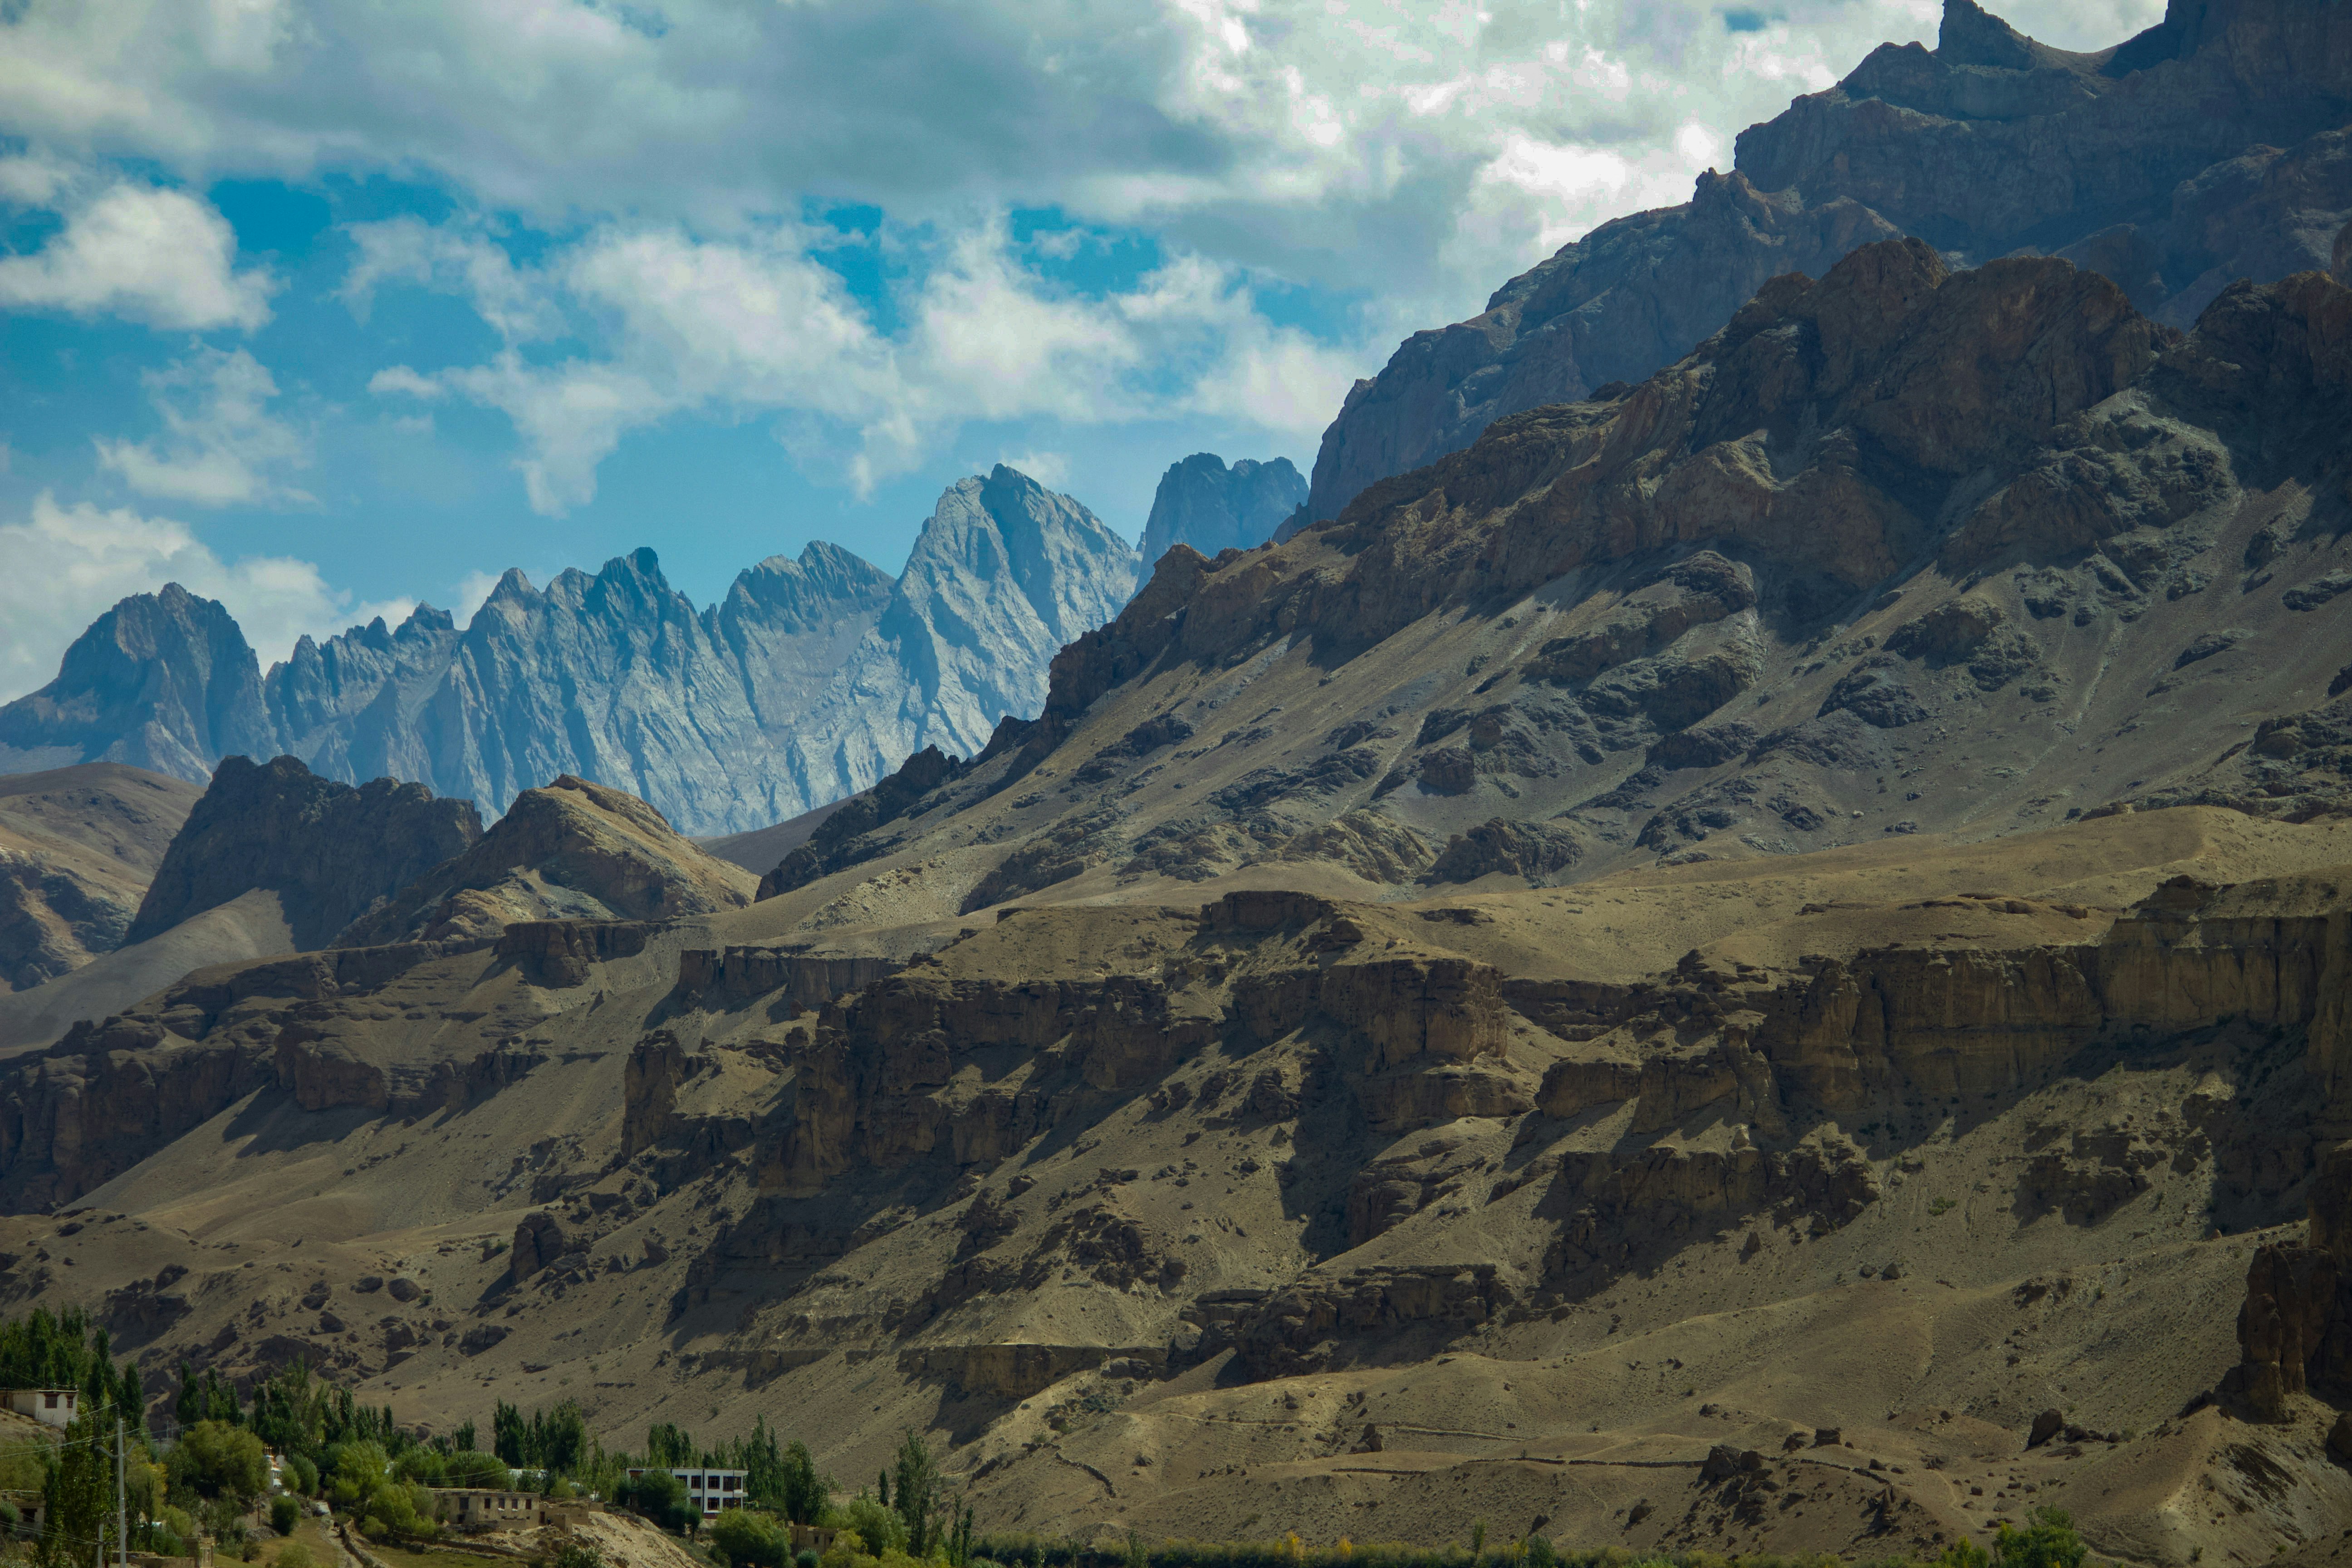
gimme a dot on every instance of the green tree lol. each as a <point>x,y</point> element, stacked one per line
<point>78,1493</point>
<point>1964,1553</point>
<point>423,1466</point>
<point>878,1527</point>
<point>748,1538</point>
<point>661,1497</point>
<point>2048,1540</point>
<point>801,1494</point>
<point>510,1435</point>
<point>469,1467</point>
<point>915,1483</point>
<point>285,1513</point>
<point>214,1459</point>
<point>668,1447</point>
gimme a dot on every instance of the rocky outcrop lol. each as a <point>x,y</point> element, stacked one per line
<point>1202,503</point>
<point>805,980</point>
<point>560,955</point>
<point>2294,1331</point>
<point>572,851</point>
<point>330,852</point>
<point>78,847</point>
<point>1319,1323</point>
<point>878,1070</point>
<point>163,681</point>
<point>2208,149</point>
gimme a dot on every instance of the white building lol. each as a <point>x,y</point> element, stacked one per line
<point>709,1490</point>
<point>49,1407</point>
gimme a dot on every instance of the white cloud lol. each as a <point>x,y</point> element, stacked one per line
<point>220,446</point>
<point>1051,469</point>
<point>1330,140</point>
<point>67,564</point>
<point>152,255</point>
<point>409,250</point>
<point>757,326</point>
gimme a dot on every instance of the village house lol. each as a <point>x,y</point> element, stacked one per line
<point>49,1407</point>
<point>489,1508</point>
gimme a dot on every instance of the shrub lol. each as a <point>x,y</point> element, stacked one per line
<point>578,1554</point>
<point>294,1555</point>
<point>2048,1540</point>
<point>285,1513</point>
<point>747,1538</point>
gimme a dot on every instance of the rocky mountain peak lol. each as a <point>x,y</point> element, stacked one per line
<point>1203,503</point>
<point>163,681</point>
<point>330,852</point>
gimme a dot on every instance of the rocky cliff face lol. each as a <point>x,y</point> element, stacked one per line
<point>329,852</point>
<point>1202,503</point>
<point>2212,147</point>
<point>163,682</point>
<point>78,847</point>
<point>809,681</point>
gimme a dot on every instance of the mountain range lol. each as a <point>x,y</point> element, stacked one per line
<point>810,679</point>
<point>1749,960</point>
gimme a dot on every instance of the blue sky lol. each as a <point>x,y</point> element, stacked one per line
<point>323,307</point>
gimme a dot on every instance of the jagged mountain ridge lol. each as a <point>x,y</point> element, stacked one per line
<point>2212,146</point>
<point>1204,504</point>
<point>808,681</point>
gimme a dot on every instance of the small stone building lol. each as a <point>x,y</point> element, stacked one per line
<point>488,1507</point>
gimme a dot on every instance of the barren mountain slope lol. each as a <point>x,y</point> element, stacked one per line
<point>1273,1212</point>
<point>78,847</point>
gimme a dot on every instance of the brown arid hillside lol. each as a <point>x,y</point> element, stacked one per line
<point>1759,964</point>
<point>77,848</point>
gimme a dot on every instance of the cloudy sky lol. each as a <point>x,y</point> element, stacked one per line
<point>324,307</point>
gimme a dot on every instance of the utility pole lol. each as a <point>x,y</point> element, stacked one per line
<point>121,1504</point>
